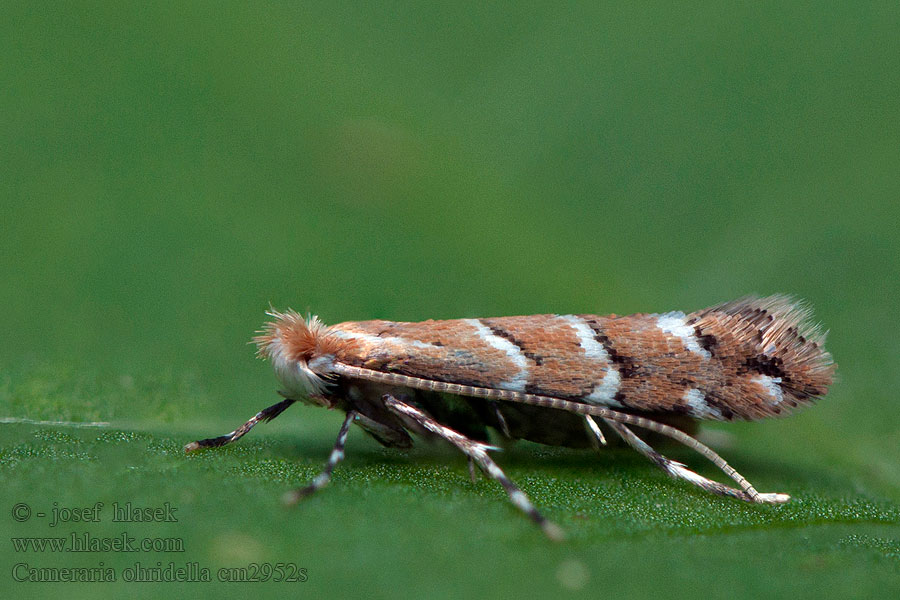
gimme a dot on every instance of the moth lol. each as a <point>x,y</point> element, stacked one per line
<point>550,379</point>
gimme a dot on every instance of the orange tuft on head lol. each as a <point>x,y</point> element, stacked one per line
<point>297,338</point>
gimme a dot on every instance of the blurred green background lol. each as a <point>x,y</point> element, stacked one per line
<point>168,170</point>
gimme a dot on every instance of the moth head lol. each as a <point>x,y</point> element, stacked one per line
<point>302,354</point>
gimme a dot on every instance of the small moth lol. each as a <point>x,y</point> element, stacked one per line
<point>550,379</point>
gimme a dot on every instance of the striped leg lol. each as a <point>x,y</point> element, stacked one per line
<point>266,415</point>
<point>676,469</point>
<point>322,479</point>
<point>597,438</point>
<point>477,452</point>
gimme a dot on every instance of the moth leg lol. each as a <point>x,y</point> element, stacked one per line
<point>676,469</point>
<point>501,420</point>
<point>391,437</point>
<point>676,434</point>
<point>477,452</point>
<point>472,474</point>
<point>267,414</point>
<point>322,479</point>
<point>597,438</point>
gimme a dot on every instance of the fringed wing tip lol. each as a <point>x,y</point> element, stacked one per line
<point>793,312</point>
<point>779,332</point>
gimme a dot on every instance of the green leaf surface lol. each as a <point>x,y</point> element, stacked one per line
<point>171,170</point>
